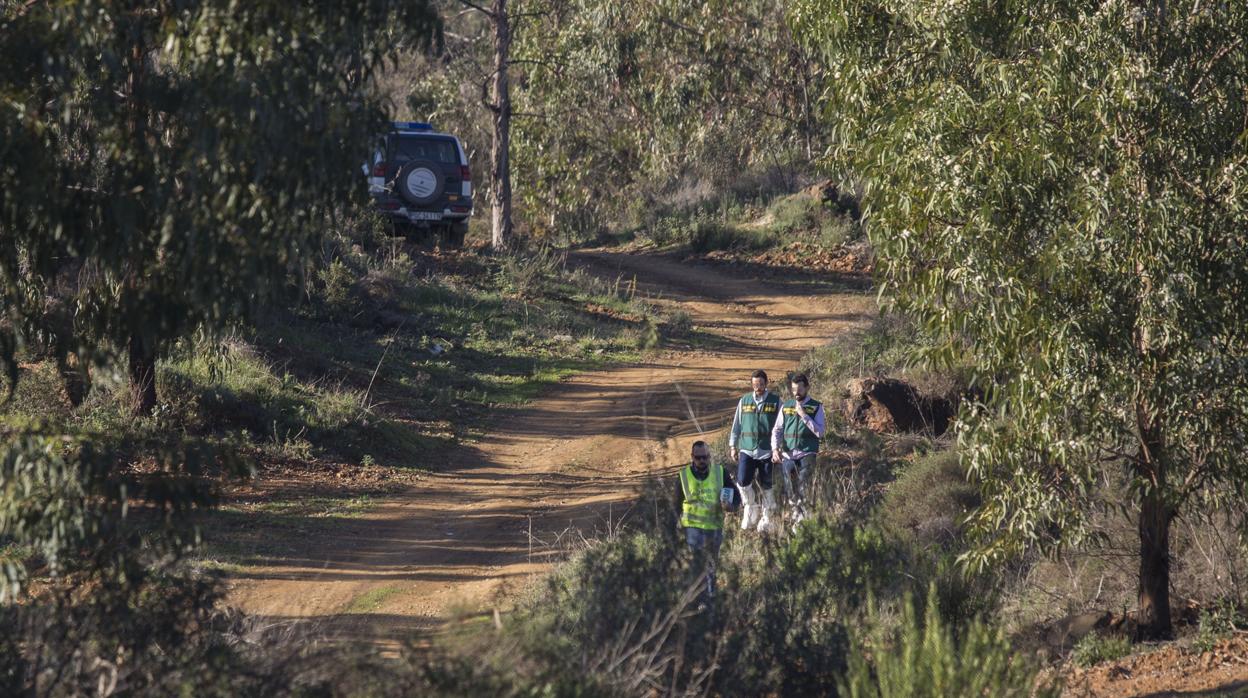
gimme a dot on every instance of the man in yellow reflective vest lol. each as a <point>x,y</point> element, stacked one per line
<point>706,492</point>
<point>795,443</point>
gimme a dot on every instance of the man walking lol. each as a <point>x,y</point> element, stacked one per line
<point>749,445</point>
<point>706,491</point>
<point>795,443</point>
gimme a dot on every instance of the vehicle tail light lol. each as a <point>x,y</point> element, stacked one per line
<point>465,174</point>
<point>460,209</point>
<point>379,170</point>
<point>389,205</point>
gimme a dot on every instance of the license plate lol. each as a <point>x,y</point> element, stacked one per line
<point>424,215</point>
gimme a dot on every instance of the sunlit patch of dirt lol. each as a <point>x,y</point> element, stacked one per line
<point>1172,669</point>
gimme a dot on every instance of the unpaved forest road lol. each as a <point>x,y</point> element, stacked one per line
<point>568,463</point>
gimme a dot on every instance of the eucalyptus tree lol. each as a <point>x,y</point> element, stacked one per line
<point>1056,189</point>
<point>620,94</point>
<point>498,102</point>
<point>165,166</point>
<point>604,98</point>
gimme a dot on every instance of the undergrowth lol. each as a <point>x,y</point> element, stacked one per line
<point>730,225</point>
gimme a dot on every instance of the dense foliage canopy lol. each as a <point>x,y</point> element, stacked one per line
<point>1056,190</point>
<point>165,166</point>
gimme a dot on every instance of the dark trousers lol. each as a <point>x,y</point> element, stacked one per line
<point>748,468</point>
<point>705,546</point>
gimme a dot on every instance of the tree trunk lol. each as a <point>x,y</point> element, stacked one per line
<point>142,377</point>
<point>1154,584</point>
<point>500,185</point>
<point>1154,528</point>
<point>142,353</point>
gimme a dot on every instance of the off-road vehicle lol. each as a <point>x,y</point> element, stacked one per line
<point>419,178</point>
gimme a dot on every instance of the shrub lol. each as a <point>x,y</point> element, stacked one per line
<point>527,273</point>
<point>929,499</point>
<point>791,604</point>
<point>835,231</point>
<point>1216,624</point>
<point>828,222</point>
<point>679,323</point>
<point>927,658</point>
<point>708,235</point>
<point>796,213</point>
<point>618,618</point>
<point>1095,648</point>
<point>337,284</point>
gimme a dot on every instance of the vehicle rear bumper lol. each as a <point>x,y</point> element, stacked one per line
<point>418,216</point>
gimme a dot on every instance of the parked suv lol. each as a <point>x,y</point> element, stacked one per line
<point>419,178</point>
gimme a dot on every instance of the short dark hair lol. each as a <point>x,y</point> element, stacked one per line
<point>696,444</point>
<point>760,373</point>
<point>800,378</point>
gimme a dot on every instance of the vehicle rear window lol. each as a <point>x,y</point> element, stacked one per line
<point>415,148</point>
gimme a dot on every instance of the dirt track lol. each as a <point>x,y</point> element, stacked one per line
<point>566,464</point>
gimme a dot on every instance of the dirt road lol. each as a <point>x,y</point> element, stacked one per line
<point>565,465</point>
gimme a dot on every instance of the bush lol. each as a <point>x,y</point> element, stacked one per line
<point>791,604</point>
<point>337,285</point>
<point>929,499</point>
<point>795,213</point>
<point>617,619</point>
<point>1216,624</point>
<point>927,658</point>
<point>802,213</point>
<point>1095,648</point>
<point>527,273</point>
<point>679,323</point>
<point>707,235</point>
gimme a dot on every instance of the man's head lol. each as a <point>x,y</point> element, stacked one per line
<point>701,455</point>
<point>758,380</point>
<point>800,385</point>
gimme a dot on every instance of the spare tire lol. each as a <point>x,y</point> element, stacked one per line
<point>420,182</point>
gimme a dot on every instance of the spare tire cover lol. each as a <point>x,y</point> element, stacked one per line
<point>420,182</point>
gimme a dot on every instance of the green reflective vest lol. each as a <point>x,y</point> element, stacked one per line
<point>757,421</point>
<point>797,437</point>
<point>701,507</point>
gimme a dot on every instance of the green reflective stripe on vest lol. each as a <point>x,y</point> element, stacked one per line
<point>701,507</point>
<point>757,421</point>
<point>796,436</point>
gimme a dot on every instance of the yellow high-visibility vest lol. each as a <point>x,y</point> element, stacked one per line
<point>701,507</point>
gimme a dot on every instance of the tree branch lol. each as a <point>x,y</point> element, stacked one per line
<point>478,8</point>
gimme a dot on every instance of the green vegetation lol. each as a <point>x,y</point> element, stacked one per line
<point>1053,196</point>
<point>728,226</point>
<point>627,105</point>
<point>133,222</point>
<point>371,600</point>
<point>928,658</point>
<point>930,499</point>
<point>1095,648</point>
<point>191,294</point>
<point>1216,624</point>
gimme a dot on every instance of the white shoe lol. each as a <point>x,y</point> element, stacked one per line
<point>796,516</point>
<point>769,511</point>
<point>749,509</point>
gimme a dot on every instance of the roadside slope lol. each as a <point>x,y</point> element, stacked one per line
<point>566,463</point>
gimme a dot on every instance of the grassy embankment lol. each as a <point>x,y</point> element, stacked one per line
<point>385,355</point>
